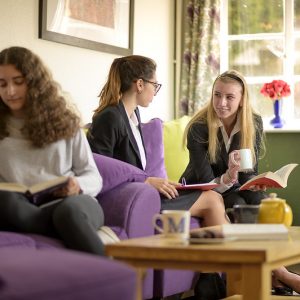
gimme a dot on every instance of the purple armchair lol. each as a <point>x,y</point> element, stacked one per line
<point>128,203</point>
<point>131,216</point>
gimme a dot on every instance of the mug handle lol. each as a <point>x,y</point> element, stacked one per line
<point>155,218</point>
<point>229,210</point>
<point>231,157</point>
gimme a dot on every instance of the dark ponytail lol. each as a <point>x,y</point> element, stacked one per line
<point>123,72</point>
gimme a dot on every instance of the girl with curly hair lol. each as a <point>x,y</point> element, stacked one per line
<point>41,139</point>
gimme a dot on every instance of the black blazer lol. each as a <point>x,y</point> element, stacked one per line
<point>110,134</point>
<point>199,168</point>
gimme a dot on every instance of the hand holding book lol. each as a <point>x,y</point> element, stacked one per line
<point>45,191</point>
<point>197,186</point>
<point>277,179</point>
<point>71,188</point>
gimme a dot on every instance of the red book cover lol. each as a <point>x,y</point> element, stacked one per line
<point>198,186</point>
<point>277,179</point>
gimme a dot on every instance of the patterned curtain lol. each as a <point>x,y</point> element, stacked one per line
<point>200,59</point>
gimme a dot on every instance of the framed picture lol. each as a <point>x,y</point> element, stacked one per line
<point>102,25</point>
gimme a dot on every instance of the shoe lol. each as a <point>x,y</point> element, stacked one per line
<point>107,235</point>
<point>210,286</point>
<point>283,290</point>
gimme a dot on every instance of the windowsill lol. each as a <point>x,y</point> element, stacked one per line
<point>289,126</point>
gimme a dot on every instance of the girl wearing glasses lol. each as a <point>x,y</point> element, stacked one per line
<point>116,132</point>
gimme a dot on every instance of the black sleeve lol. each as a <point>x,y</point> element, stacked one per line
<point>105,132</point>
<point>199,168</point>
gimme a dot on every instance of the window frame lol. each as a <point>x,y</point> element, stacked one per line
<point>289,37</point>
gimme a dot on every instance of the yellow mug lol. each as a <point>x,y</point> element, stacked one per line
<point>275,211</point>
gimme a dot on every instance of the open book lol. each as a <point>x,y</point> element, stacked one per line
<point>240,232</point>
<point>39,193</point>
<point>277,179</point>
<point>198,186</point>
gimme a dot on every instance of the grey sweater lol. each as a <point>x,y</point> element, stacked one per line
<point>21,162</point>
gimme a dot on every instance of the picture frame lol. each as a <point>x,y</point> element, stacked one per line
<point>83,23</point>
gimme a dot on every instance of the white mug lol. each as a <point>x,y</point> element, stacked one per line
<point>246,163</point>
<point>175,224</point>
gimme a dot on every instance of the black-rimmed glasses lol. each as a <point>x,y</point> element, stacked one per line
<point>156,85</point>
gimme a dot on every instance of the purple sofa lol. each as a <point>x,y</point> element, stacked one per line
<point>39,268</point>
<point>129,205</point>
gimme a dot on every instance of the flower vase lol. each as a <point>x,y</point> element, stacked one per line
<point>277,121</point>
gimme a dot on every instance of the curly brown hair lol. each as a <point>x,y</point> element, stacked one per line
<point>47,116</point>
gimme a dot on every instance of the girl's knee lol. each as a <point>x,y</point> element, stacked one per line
<point>213,198</point>
<point>73,210</point>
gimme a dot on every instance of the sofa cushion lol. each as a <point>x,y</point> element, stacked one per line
<point>176,155</point>
<point>115,172</point>
<point>153,140</point>
<point>27,274</point>
<point>11,239</point>
<point>45,242</point>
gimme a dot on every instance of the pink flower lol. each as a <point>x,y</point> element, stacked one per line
<point>276,89</point>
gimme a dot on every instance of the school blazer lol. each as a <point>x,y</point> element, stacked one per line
<point>199,168</point>
<point>110,134</point>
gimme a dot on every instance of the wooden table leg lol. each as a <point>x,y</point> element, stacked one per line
<point>256,282</point>
<point>141,273</point>
<point>233,282</point>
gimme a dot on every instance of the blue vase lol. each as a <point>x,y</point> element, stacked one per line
<point>277,121</point>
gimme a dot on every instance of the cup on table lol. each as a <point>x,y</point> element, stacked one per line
<point>174,224</point>
<point>244,213</point>
<point>246,163</point>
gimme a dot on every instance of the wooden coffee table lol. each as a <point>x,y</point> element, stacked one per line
<point>248,264</point>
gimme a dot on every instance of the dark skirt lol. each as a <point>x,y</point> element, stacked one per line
<point>234,197</point>
<point>184,201</point>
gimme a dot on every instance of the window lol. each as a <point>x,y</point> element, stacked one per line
<point>262,41</point>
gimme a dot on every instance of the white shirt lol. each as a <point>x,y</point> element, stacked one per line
<point>133,121</point>
<point>227,141</point>
<point>21,162</point>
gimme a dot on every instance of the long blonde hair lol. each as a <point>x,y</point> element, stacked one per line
<point>207,115</point>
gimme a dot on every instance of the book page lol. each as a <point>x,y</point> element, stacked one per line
<point>267,178</point>
<point>13,187</point>
<point>48,184</point>
<point>285,171</point>
<point>249,229</point>
<point>278,179</point>
<point>256,231</point>
<point>242,231</point>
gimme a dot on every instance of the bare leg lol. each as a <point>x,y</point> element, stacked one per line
<point>210,207</point>
<point>290,279</point>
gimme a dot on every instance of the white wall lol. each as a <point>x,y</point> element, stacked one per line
<point>82,72</point>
